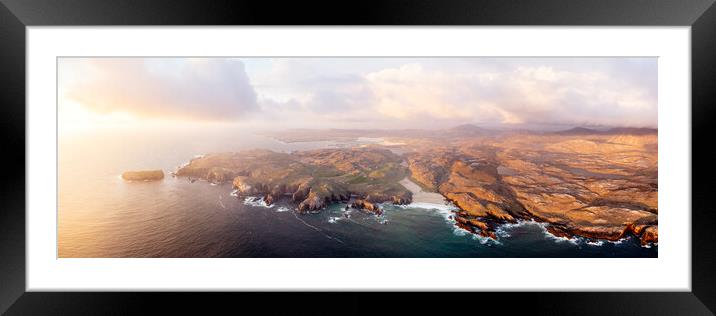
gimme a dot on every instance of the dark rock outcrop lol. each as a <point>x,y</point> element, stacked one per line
<point>312,203</point>
<point>367,206</point>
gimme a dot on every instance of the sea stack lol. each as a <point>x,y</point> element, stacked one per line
<point>143,175</point>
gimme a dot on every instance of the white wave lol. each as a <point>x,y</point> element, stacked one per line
<point>336,219</point>
<point>431,206</point>
<point>283,209</point>
<point>256,201</point>
<point>576,240</point>
<point>234,193</point>
<point>617,242</point>
<point>573,240</point>
<point>459,231</point>
<point>485,240</point>
<point>503,230</point>
<point>445,210</point>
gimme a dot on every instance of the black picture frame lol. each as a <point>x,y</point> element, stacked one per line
<point>16,15</point>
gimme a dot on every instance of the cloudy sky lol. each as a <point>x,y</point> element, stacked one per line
<point>361,92</point>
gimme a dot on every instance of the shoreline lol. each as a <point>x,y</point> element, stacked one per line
<point>474,223</point>
<point>420,196</point>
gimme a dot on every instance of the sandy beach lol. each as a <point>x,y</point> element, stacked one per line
<point>420,196</point>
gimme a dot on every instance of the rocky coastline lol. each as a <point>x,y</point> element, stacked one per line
<point>603,187</point>
<point>311,180</point>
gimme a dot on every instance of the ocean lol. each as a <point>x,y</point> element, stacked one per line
<point>100,215</point>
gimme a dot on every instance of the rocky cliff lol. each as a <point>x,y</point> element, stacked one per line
<point>309,179</point>
<point>602,187</point>
<point>593,185</point>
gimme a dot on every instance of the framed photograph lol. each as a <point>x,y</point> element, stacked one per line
<point>519,150</point>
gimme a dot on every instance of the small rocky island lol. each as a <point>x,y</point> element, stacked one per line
<point>143,175</point>
<point>593,184</point>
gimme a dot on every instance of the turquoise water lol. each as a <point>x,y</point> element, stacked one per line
<point>99,215</point>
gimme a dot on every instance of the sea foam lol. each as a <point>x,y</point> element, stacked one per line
<point>445,210</point>
<point>336,219</point>
<point>503,231</point>
<point>256,201</point>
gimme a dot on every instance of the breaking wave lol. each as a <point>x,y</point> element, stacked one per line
<point>445,210</point>
<point>256,201</point>
<point>485,240</point>
<point>503,231</point>
<point>336,219</point>
<point>573,240</point>
<point>458,231</point>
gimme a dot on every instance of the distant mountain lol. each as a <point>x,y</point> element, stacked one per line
<point>578,131</point>
<point>632,130</point>
<point>468,130</point>
<point>611,131</point>
<point>460,131</point>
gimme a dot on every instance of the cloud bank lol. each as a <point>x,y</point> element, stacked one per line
<point>378,92</point>
<point>197,89</point>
